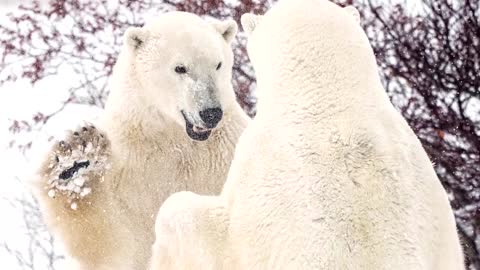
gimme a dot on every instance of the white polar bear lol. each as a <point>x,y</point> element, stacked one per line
<point>171,124</point>
<point>327,176</point>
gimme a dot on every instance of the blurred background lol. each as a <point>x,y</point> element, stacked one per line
<point>56,58</point>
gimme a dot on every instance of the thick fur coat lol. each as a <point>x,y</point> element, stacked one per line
<point>170,124</point>
<point>327,176</point>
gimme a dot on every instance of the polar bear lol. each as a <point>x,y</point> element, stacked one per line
<point>327,176</point>
<point>170,124</point>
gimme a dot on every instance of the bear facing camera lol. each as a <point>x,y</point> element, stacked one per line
<point>171,123</point>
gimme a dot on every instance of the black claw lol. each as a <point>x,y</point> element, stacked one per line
<point>76,133</point>
<point>57,159</point>
<point>68,173</point>
<point>84,128</point>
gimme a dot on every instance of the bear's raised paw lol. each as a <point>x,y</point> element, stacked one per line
<point>76,163</point>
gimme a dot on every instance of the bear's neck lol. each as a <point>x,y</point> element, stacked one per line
<point>170,153</point>
<point>350,84</point>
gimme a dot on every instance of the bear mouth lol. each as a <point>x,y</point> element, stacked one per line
<point>195,132</point>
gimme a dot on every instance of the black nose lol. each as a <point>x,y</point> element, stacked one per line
<point>211,116</point>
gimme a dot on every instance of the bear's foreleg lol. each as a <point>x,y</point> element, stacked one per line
<point>190,232</point>
<point>74,199</point>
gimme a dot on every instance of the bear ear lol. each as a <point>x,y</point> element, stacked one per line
<point>135,37</point>
<point>250,22</point>
<point>353,12</point>
<point>228,29</point>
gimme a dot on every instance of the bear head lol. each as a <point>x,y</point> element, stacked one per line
<point>305,36</point>
<point>183,65</point>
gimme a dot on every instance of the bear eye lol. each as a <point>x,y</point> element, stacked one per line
<point>219,65</point>
<point>180,69</point>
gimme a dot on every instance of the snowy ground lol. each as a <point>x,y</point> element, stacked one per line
<point>20,101</point>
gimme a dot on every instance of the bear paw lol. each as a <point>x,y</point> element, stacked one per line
<point>76,163</point>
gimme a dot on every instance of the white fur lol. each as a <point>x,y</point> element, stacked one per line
<point>328,175</point>
<point>151,154</point>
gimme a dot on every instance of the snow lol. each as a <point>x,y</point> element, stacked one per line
<point>74,206</point>
<point>17,168</point>
<point>51,193</point>
<point>20,100</point>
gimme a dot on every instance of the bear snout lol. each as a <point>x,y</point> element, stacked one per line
<point>211,116</point>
